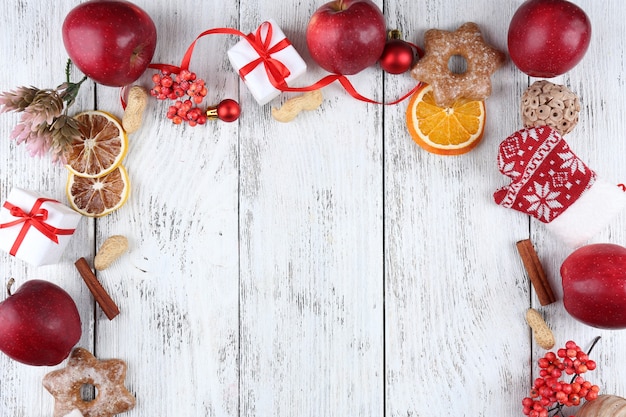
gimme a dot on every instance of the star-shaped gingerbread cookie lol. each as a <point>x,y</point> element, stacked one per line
<point>107,376</point>
<point>448,86</point>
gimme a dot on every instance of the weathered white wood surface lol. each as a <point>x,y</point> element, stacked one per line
<point>324,267</point>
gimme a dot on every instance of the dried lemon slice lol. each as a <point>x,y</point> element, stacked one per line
<point>102,147</point>
<point>96,197</point>
<point>450,130</point>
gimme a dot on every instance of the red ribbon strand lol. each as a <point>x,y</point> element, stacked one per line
<point>276,71</point>
<point>36,218</point>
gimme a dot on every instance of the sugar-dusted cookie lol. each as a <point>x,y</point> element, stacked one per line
<point>107,376</point>
<point>449,86</point>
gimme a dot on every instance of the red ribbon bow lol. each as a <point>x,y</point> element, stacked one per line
<point>276,71</point>
<point>36,218</point>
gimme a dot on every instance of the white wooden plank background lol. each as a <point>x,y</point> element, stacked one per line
<point>324,267</point>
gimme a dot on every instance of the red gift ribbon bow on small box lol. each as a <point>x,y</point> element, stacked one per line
<point>35,218</point>
<point>276,71</point>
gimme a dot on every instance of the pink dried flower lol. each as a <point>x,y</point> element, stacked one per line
<point>64,131</point>
<point>18,99</point>
<point>45,107</point>
<point>44,125</point>
<point>39,145</point>
<point>38,138</point>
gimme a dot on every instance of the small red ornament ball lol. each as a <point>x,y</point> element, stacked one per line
<point>228,110</point>
<point>397,57</point>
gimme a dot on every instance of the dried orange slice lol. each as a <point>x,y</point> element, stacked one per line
<point>96,197</point>
<point>445,130</point>
<point>102,147</point>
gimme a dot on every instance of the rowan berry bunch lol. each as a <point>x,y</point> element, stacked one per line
<point>550,393</point>
<point>186,90</point>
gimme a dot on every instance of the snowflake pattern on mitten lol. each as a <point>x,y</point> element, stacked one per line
<point>547,176</point>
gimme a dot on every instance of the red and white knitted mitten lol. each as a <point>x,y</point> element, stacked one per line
<point>553,185</point>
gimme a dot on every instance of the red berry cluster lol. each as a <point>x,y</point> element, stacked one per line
<point>176,87</point>
<point>550,393</point>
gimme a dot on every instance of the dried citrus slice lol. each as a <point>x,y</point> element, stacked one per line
<point>445,130</point>
<point>96,197</point>
<point>102,147</point>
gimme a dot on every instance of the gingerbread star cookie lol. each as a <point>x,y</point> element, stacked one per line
<point>107,376</point>
<point>448,86</point>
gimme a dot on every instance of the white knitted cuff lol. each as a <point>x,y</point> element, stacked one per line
<point>592,212</point>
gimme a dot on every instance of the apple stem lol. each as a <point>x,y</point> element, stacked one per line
<point>9,285</point>
<point>339,6</point>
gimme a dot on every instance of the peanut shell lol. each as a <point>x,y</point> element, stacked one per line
<point>133,114</point>
<point>111,249</point>
<point>541,331</point>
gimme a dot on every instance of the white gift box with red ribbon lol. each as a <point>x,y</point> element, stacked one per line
<point>35,228</point>
<point>265,59</point>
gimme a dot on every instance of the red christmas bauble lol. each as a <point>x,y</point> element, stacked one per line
<point>228,110</point>
<point>397,57</point>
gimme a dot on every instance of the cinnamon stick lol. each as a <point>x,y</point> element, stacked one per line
<point>101,296</point>
<point>535,272</point>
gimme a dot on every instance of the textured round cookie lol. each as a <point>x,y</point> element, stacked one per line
<point>548,104</point>
<point>448,86</point>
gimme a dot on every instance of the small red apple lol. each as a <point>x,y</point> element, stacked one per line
<point>39,324</point>
<point>547,38</point>
<point>110,41</point>
<point>594,285</point>
<point>346,36</point>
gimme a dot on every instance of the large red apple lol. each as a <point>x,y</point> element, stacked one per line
<point>39,324</point>
<point>110,41</point>
<point>346,36</point>
<point>594,285</point>
<point>548,37</point>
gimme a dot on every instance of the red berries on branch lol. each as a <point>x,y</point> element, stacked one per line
<point>176,87</point>
<point>550,393</point>
<point>187,91</point>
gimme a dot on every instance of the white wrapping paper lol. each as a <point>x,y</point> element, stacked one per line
<point>257,80</point>
<point>36,247</point>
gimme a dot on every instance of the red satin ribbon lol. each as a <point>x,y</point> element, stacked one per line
<point>36,218</point>
<point>276,71</point>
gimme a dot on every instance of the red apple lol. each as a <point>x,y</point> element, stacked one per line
<point>39,324</point>
<point>594,285</point>
<point>110,41</point>
<point>548,37</point>
<point>346,36</point>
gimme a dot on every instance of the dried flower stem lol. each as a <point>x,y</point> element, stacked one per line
<point>68,66</point>
<point>70,89</point>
